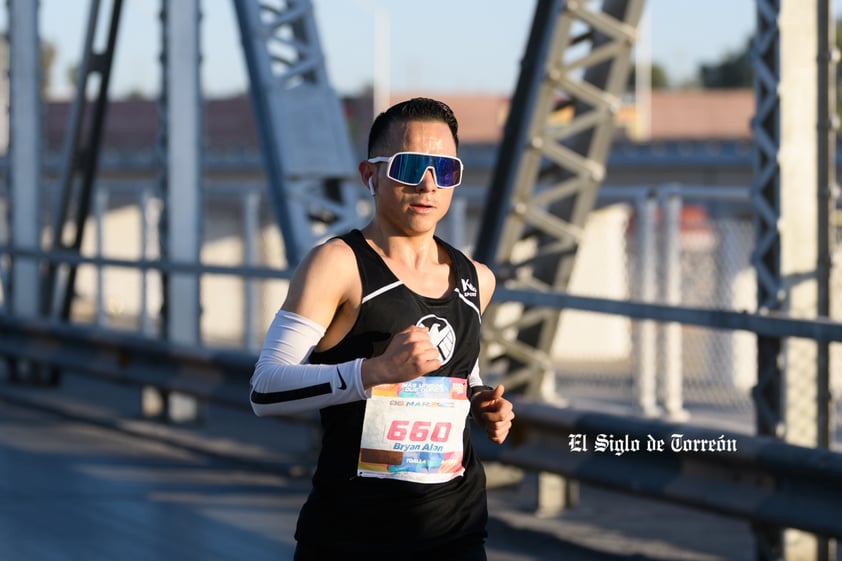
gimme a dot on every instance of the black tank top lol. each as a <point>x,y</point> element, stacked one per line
<point>368,514</point>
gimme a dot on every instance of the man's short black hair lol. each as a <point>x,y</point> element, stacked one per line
<point>415,109</point>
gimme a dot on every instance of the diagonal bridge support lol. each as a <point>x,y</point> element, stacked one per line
<point>549,169</point>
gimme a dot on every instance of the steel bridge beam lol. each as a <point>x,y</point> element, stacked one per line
<point>79,161</point>
<point>548,172</point>
<point>791,394</point>
<point>304,143</point>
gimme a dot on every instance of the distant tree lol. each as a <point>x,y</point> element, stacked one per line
<point>48,57</point>
<point>659,77</point>
<point>734,71</point>
<point>135,93</point>
<point>72,75</point>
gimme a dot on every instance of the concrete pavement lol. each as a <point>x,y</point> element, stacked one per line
<point>84,477</point>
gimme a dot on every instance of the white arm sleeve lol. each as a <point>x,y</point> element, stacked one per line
<point>283,384</point>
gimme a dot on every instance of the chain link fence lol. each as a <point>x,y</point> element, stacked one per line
<point>696,253</point>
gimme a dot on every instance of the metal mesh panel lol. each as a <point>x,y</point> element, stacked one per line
<point>717,368</point>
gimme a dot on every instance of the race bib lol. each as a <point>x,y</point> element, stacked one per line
<point>412,431</point>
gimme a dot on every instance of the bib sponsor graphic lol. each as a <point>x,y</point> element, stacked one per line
<point>413,431</point>
<point>442,335</point>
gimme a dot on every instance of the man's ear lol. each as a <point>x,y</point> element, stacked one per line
<point>367,175</point>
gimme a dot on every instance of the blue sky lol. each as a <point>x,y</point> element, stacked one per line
<point>436,45</point>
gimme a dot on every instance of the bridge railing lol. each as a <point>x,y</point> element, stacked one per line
<point>754,478</point>
<point>759,479</point>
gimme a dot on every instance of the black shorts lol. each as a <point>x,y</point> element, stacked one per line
<point>474,551</point>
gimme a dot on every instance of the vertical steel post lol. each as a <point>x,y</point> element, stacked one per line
<point>184,181</point>
<point>153,400</point>
<point>827,191</point>
<point>25,154</point>
<point>765,194</point>
<point>251,235</point>
<point>100,213</point>
<point>149,219</point>
<point>24,163</point>
<point>645,374</point>
<point>184,177</point>
<point>786,227</point>
<point>673,379</point>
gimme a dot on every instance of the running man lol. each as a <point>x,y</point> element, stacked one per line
<point>380,332</point>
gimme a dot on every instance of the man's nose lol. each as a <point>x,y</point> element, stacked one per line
<point>428,181</point>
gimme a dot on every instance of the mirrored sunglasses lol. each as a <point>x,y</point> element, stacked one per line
<point>409,168</point>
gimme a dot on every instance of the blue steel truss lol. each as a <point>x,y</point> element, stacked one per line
<point>548,173</point>
<point>306,150</point>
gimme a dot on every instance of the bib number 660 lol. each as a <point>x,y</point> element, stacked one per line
<point>419,431</point>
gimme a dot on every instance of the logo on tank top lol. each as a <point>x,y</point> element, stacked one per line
<point>468,289</point>
<point>441,334</point>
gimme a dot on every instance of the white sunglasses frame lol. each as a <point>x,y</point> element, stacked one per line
<point>388,159</point>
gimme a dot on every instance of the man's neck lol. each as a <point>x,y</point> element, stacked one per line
<point>413,251</point>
